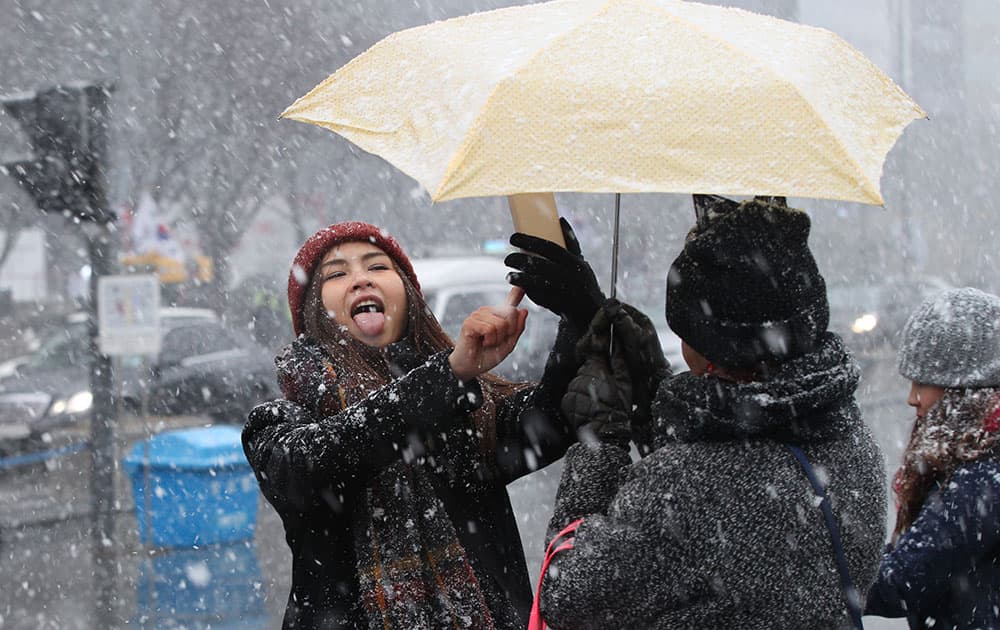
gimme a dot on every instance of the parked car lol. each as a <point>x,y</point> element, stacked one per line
<point>9,366</point>
<point>202,369</point>
<point>870,316</point>
<point>456,286</point>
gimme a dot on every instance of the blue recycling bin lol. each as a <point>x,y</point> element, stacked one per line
<point>216,586</point>
<point>201,488</point>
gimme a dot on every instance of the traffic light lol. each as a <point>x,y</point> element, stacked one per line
<point>67,127</point>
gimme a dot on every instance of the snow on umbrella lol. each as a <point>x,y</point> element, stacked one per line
<point>619,96</point>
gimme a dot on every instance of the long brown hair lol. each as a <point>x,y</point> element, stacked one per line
<point>366,368</point>
<point>959,428</point>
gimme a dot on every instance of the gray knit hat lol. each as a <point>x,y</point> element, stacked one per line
<point>953,340</point>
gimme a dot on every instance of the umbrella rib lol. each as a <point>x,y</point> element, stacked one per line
<point>874,193</point>
<point>463,149</point>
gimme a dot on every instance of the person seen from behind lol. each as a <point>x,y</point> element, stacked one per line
<point>389,456</point>
<point>720,526</point>
<point>941,569</point>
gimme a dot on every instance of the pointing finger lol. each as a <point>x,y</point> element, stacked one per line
<point>515,296</point>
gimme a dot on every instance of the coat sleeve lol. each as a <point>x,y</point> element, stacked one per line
<point>531,432</point>
<point>604,580</point>
<point>296,455</point>
<point>951,533</point>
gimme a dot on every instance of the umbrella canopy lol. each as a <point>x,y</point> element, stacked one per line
<point>619,96</point>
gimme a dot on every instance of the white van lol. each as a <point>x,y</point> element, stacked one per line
<point>456,286</point>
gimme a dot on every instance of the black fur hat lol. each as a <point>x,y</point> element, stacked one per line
<point>745,290</point>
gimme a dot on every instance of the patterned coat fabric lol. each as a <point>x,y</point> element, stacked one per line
<point>719,527</point>
<point>944,571</point>
<point>315,471</point>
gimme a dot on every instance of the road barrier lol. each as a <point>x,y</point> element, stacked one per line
<point>13,461</point>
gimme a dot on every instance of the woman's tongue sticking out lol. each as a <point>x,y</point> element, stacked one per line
<point>370,322</point>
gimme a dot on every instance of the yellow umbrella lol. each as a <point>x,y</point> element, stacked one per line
<point>619,96</point>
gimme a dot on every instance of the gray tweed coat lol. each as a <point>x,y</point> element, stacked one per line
<point>719,527</point>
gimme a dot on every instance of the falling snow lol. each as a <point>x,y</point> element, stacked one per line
<point>200,171</point>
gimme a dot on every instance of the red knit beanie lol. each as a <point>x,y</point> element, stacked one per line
<point>316,247</point>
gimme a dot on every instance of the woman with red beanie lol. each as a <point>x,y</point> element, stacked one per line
<point>389,456</point>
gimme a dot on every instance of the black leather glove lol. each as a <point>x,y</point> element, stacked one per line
<point>555,278</point>
<point>635,336</point>
<point>598,401</point>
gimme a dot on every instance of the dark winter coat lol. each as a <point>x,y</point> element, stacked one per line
<point>944,571</point>
<point>719,527</point>
<point>314,471</point>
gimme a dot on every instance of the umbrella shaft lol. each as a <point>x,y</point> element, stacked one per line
<point>614,264</point>
<point>614,246</point>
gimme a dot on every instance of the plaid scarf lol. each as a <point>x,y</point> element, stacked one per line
<point>412,570</point>
<point>413,573</point>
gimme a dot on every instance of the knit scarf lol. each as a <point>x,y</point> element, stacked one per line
<point>412,570</point>
<point>798,402</point>
<point>413,573</point>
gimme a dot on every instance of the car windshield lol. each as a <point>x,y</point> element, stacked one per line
<point>461,304</point>
<point>61,347</point>
<point>526,362</point>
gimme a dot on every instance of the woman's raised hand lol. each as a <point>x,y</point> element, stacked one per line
<point>488,335</point>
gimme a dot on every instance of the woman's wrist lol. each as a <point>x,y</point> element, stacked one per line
<point>462,372</point>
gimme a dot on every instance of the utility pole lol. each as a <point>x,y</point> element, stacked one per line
<point>102,249</point>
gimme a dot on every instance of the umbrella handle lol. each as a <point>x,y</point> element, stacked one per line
<point>536,214</point>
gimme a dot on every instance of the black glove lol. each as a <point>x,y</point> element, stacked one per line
<point>598,401</point>
<point>556,278</point>
<point>636,339</point>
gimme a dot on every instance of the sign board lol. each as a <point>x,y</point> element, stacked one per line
<point>128,314</point>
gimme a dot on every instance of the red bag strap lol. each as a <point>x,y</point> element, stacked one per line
<point>555,546</point>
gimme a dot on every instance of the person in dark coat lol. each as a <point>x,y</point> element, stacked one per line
<point>387,460</point>
<point>719,526</point>
<point>942,568</point>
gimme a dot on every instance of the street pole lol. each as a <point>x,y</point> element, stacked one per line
<point>101,240</point>
<point>100,245</point>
